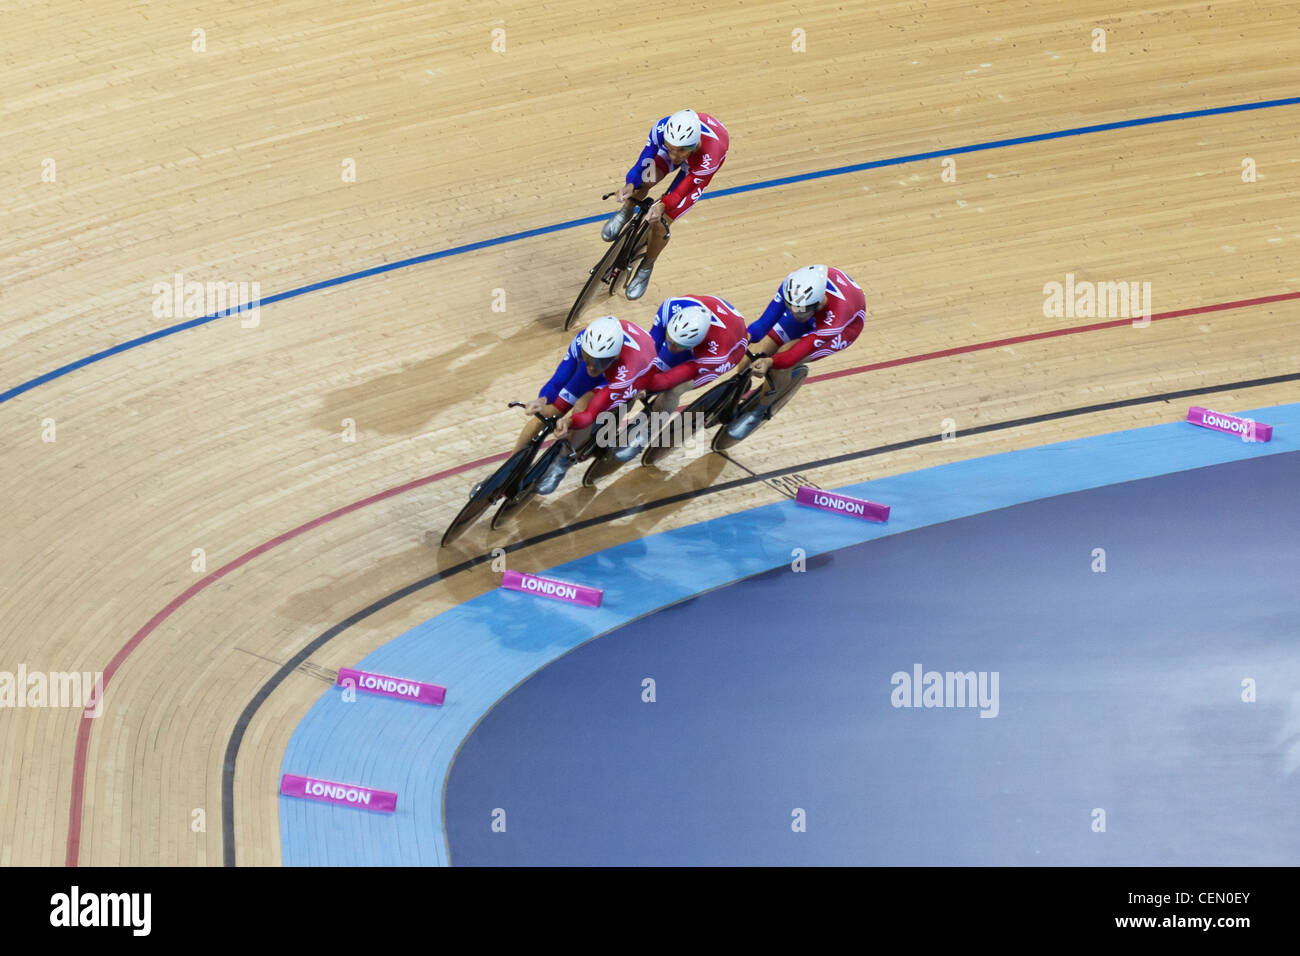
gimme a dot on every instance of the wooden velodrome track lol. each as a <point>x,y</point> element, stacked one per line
<point>225,165</point>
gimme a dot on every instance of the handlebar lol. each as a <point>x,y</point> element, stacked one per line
<point>544,419</point>
<point>644,205</point>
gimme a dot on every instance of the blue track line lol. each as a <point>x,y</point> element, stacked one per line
<point>589,220</point>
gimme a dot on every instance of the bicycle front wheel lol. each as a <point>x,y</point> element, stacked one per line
<point>501,483</point>
<point>467,516</point>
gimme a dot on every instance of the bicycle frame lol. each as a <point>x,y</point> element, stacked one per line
<point>617,258</point>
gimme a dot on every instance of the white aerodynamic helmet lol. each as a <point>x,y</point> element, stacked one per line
<point>603,339</point>
<point>804,289</point>
<point>683,129</point>
<point>689,326</point>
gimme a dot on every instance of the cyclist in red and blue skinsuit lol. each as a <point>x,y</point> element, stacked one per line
<point>721,350</point>
<point>694,143</point>
<point>604,366</point>
<point>817,311</point>
<point>700,338</point>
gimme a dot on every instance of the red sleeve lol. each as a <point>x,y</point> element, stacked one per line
<point>816,339</point>
<point>600,400</point>
<point>560,404</point>
<point>795,353</point>
<point>662,381</point>
<point>678,200</point>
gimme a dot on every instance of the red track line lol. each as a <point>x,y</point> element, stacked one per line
<point>1015,340</point>
<point>83,729</point>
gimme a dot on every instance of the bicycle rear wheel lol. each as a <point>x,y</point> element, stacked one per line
<point>719,403</point>
<point>722,440</point>
<point>599,275</point>
<point>506,511</point>
<point>716,405</point>
<point>605,464</point>
<point>657,451</point>
<point>527,487</point>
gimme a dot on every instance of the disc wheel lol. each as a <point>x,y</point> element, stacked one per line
<point>722,441</point>
<point>606,464</point>
<point>658,451</point>
<point>508,509</point>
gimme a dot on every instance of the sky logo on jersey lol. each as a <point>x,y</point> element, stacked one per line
<point>678,304</point>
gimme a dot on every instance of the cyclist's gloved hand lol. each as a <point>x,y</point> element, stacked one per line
<point>656,212</point>
<point>625,191</point>
<point>561,430</point>
<point>535,405</point>
<point>761,366</point>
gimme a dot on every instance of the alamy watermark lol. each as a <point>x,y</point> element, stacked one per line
<point>177,298</point>
<point>1098,300</point>
<point>652,430</point>
<point>946,689</point>
<point>129,910</point>
<point>82,689</point>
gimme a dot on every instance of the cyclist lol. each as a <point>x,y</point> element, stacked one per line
<point>816,312</point>
<point>695,142</point>
<point>603,367</point>
<point>700,338</point>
